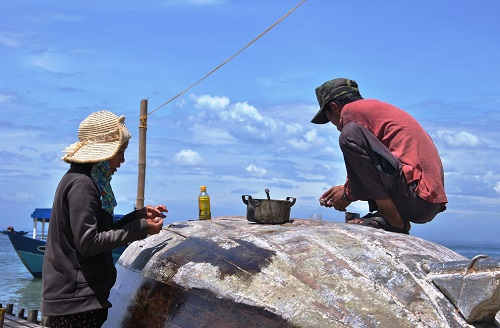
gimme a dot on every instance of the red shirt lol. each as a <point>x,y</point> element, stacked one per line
<point>406,140</point>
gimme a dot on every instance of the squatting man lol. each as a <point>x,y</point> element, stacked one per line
<point>391,162</point>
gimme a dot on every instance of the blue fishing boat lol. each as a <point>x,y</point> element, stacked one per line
<point>31,249</point>
<point>11,229</point>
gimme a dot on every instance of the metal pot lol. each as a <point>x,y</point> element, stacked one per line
<point>268,210</point>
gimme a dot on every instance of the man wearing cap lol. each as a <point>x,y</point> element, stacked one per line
<point>391,162</point>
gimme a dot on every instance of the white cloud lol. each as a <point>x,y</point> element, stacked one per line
<point>17,197</point>
<point>181,103</point>
<point>49,61</point>
<point>312,136</point>
<point>212,136</point>
<point>246,110</point>
<point>293,128</point>
<point>10,41</point>
<point>221,106</point>
<point>299,144</point>
<point>459,139</point>
<point>497,187</point>
<point>4,97</point>
<point>256,171</point>
<point>188,157</point>
<point>242,112</point>
<point>331,150</point>
<point>242,121</point>
<point>306,141</point>
<point>215,102</point>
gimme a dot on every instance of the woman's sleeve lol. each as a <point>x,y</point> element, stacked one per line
<point>85,209</point>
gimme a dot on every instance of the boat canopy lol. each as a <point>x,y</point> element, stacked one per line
<point>41,213</point>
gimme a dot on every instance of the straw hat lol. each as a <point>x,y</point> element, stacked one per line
<point>101,135</point>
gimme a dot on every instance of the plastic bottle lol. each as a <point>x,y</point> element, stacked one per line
<point>204,204</point>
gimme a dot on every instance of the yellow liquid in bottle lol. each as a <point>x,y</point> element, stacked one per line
<point>204,205</point>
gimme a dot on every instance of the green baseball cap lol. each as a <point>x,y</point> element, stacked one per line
<point>330,90</point>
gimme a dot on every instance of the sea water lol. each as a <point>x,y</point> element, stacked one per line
<point>18,286</point>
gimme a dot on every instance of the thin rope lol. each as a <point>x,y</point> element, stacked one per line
<point>227,60</point>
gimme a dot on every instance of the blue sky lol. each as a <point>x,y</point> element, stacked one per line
<point>247,127</point>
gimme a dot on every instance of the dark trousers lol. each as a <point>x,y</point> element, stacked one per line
<point>374,173</point>
<point>89,319</point>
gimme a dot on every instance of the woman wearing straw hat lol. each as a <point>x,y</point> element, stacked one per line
<point>78,269</point>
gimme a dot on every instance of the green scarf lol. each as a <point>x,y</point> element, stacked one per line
<point>101,174</point>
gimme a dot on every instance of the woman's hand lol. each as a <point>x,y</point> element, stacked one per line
<point>334,197</point>
<point>154,217</point>
<point>150,212</point>
<point>154,225</point>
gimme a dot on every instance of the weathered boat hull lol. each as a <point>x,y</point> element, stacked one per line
<point>228,272</point>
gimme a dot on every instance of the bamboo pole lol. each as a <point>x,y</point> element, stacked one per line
<point>143,123</point>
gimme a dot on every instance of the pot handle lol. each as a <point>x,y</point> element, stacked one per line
<point>243,197</point>
<point>293,200</point>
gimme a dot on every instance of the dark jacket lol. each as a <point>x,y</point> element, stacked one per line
<point>78,270</point>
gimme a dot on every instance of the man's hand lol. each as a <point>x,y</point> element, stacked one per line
<point>334,197</point>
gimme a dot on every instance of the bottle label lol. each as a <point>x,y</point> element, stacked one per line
<point>204,207</point>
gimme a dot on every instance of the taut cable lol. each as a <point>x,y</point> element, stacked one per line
<point>227,60</point>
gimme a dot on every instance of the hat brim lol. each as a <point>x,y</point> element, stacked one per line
<point>320,117</point>
<point>94,153</point>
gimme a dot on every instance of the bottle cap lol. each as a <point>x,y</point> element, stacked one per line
<point>203,188</point>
